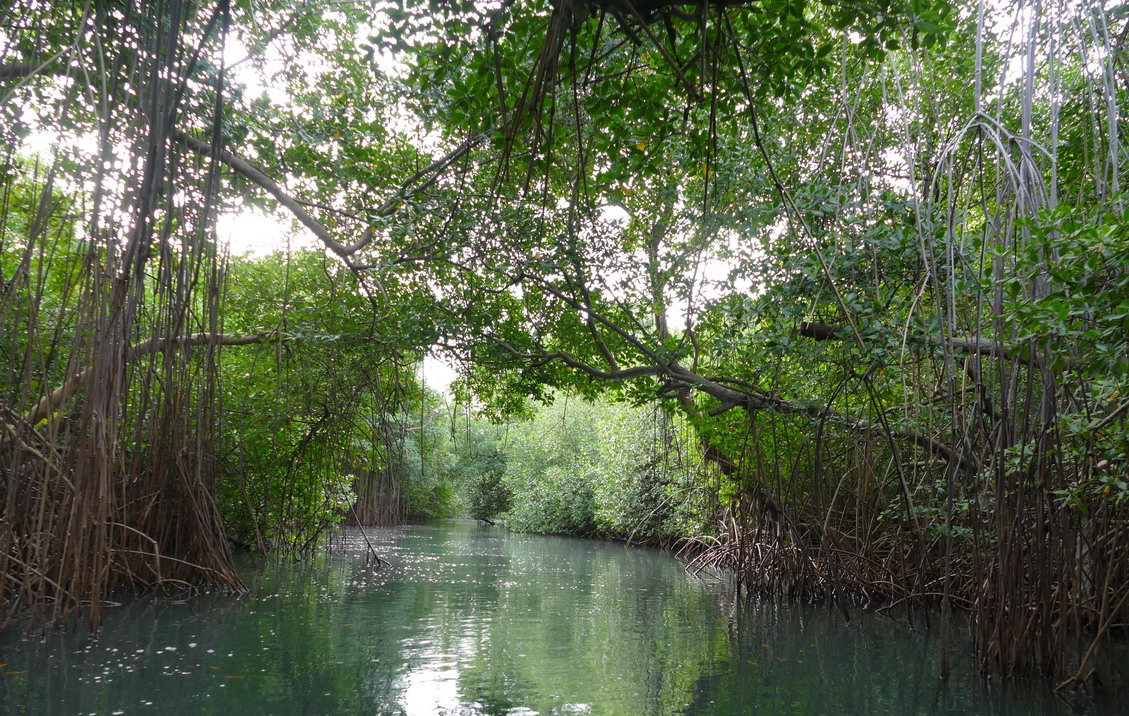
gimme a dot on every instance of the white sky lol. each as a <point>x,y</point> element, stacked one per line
<point>438,374</point>
<point>252,231</point>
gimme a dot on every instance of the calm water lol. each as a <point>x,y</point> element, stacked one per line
<point>471,619</point>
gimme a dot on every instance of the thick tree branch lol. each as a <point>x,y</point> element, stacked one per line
<point>827,332</point>
<point>245,168</point>
<point>432,172</point>
<point>729,398</point>
<point>12,70</point>
<point>57,397</point>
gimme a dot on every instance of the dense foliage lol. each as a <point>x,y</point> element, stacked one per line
<point>609,469</point>
<point>833,292</point>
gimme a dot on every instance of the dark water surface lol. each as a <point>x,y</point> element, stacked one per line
<point>472,619</point>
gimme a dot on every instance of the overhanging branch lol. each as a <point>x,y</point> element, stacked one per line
<point>57,397</point>
<point>819,331</point>
<point>728,397</point>
<point>418,182</point>
<point>243,167</point>
<point>750,402</point>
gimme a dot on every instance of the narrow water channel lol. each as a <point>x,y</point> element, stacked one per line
<point>472,619</point>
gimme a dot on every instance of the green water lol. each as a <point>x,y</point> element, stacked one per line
<point>472,619</point>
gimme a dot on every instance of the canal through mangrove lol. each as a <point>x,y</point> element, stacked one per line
<point>473,619</point>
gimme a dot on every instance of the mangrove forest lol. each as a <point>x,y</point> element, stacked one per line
<point>830,297</point>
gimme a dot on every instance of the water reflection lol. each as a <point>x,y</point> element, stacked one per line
<point>472,620</point>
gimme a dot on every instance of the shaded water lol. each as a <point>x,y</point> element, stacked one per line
<point>471,619</point>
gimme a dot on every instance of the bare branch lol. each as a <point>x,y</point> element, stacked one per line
<point>57,397</point>
<point>827,332</point>
<point>751,403</point>
<point>432,172</point>
<point>250,172</point>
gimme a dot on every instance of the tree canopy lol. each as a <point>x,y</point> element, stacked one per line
<point>872,254</point>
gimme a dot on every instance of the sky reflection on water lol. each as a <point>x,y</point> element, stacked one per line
<point>471,619</point>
